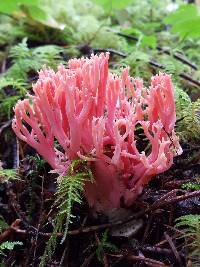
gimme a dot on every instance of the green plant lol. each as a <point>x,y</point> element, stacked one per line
<point>137,60</point>
<point>104,244</point>
<point>3,224</point>
<point>190,225</point>
<point>25,63</point>
<point>8,245</point>
<point>25,59</point>
<point>15,84</point>
<point>191,186</point>
<point>185,21</point>
<point>69,190</point>
<point>8,174</point>
<point>38,165</point>
<point>188,119</point>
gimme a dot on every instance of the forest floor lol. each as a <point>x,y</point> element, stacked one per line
<point>145,234</point>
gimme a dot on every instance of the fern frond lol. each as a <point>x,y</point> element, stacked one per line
<point>69,192</point>
<point>18,84</point>
<point>16,88</point>
<point>6,106</point>
<point>49,55</point>
<point>25,59</point>
<point>3,224</point>
<point>188,128</point>
<point>19,51</point>
<point>25,62</point>
<point>190,224</point>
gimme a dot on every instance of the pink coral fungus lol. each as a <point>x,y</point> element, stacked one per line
<point>105,119</point>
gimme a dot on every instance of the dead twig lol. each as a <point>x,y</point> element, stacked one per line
<point>177,56</point>
<point>111,51</point>
<point>171,198</point>
<point>167,199</point>
<point>39,224</point>
<point>5,125</point>
<point>63,255</point>
<point>189,79</point>
<point>88,260</point>
<point>10,230</point>
<point>147,228</point>
<point>183,197</point>
<point>163,200</point>
<point>157,250</point>
<point>177,233</point>
<point>148,261</point>
<point>173,248</point>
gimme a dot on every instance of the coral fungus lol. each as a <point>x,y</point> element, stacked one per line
<point>124,129</point>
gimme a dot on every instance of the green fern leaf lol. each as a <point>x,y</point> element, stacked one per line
<point>69,192</point>
<point>191,228</point>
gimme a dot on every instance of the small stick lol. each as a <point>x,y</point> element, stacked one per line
<point>5,125</point>
<point>148,261</point>
<point>190,79</point>
<point>11,229</point>
<point>167,199</point>
<point>173,248</point>
<point>63,256</point>
<point>165,51</point>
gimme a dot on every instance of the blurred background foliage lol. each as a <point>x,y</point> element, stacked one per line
<point>149,36</point>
